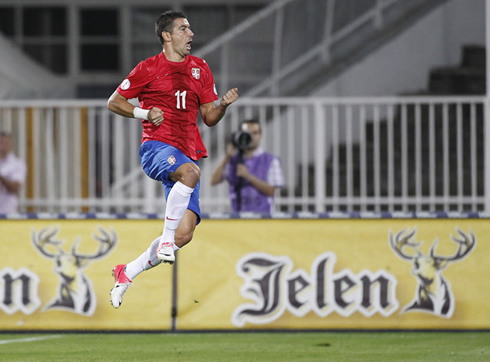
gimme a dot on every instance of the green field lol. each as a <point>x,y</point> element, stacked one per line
<point>267,347</point>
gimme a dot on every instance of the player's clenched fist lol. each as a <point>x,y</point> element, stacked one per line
<point>230,97</point>
<point>155,116</point>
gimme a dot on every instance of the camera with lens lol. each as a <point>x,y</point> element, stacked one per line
<point>241,140</point>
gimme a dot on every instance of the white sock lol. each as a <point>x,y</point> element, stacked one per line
<point>177,202</point>
<point>145,261</point>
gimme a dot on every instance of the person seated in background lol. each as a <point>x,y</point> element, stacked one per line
<point>253,174</point>
<point>12,175</point>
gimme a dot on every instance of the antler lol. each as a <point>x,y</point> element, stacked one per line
<point>401,240</point>
<point>106,243</point>
<point>466,244</point>
<point>45,238</point>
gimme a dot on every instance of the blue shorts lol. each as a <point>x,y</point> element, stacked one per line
<point>159,160</point>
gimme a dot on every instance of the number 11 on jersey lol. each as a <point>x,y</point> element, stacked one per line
<point>180,99</point>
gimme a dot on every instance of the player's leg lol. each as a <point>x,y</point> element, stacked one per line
<point>185,230</point>
<point>180,198</point>
<point>192,217</point>
<point>145,261</point>
<point>183,235</point>
<point>158,162</point>
<point>180,177</point>
<point>124,274</point>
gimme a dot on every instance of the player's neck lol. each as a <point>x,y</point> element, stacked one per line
<point>173,56</point>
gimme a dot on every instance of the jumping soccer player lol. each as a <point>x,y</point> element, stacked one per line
<point>172,87</point>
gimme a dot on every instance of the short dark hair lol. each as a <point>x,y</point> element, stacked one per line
<point>165,22</point>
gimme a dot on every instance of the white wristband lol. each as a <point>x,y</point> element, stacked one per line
<point>141,113</point>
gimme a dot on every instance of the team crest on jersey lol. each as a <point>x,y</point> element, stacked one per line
<point>196,73</point>
<point>171,160</point>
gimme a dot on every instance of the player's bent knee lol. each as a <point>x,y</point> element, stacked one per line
<point>189,174</point>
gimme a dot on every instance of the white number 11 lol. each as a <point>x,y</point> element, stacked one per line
<point>180,95</point>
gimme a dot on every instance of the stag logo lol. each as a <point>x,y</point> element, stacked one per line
<point>433,293</point>
<point>75,291</point>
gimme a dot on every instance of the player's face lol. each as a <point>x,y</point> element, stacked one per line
<point>255,132</point>
<point>181,37</point>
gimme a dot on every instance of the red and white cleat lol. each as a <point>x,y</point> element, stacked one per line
<point>165,253</point>
<point>122,284</point>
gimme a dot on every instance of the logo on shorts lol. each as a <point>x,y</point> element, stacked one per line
<point>125,84</point>
<point>196,73</point>
<point>171,160</point>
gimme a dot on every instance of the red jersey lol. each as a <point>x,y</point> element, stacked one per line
<point>178,89</point>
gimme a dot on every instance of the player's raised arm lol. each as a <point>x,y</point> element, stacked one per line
<point>211,114</point>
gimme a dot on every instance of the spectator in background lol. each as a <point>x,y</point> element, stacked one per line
<point>253,174</point>
<point>12,175</point>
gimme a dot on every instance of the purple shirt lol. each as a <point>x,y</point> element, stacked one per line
<point>260,166</point>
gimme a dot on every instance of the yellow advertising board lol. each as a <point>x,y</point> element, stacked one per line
<point>336,274</point>
<point>55,274</point>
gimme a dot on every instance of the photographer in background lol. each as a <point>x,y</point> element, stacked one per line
<point>252,173</point>
<point>12,175</point>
